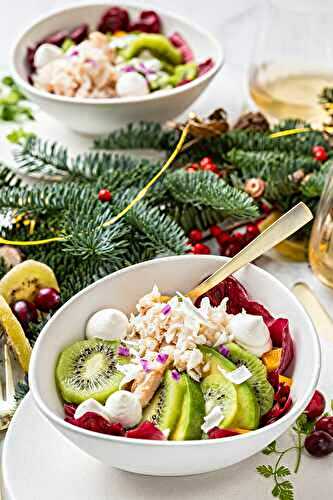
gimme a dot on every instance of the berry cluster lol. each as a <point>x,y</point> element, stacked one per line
<point>319,153</point>
<point>320,441</point>
<point>205,163</point>
<point>46,300</point>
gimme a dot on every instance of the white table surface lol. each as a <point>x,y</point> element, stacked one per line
<point>234,23</point>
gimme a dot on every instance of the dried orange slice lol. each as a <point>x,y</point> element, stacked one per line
<point>15,334</point>
<point>272,359</point>
<point>23,281</point>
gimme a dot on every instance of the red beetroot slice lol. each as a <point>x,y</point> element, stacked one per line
<point>178,41</point>
<point>114,19</point>
<point>80,33</point>
<point>238,300</point>
<point>96,423</point>
<point>146,430</point>
<point>217,433</point>
<point>205,66</point>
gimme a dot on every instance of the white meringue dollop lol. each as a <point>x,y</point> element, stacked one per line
<point>91,405</point>
<point>107,324</point>
<point>46,53</point>
<point>251,333</point>
<point>131,84</point>
<point>124,407</point>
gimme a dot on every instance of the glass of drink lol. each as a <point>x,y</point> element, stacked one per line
<point>293,60</point>
<point>321,241</point>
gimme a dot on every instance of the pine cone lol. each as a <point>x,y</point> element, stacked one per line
<point>255,187</point>
<point>252,121</point>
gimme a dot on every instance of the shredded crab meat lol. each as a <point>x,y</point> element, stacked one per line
<point>178,332</point>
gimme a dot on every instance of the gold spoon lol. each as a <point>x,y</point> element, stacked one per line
<point>284,227</point>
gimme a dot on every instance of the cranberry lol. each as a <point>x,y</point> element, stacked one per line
<point>212,167</point>
<point>104,195</point>
<point>215,231</point>
<point>195,235</point>
<point>47,299</point>
<point>80,33</point>
<point>316,406</point>
<point>325,424</point>
<point>201,249</point>
<point>319,153</point>
<point>205,161</point>
<point>223,237</point>
<point>319,443</point>
<point>25,312</point>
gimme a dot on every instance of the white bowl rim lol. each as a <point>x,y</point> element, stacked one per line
<point>162,94</point>
<point>290,415</point>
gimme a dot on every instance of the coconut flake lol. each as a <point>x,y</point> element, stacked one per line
<point>213,419</point>
<point>194,311</point>
<point>130,371</point>
<point>238,376</point>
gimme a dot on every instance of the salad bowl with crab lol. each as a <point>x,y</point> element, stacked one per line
<point>96,67</point>
<point>142,379</point>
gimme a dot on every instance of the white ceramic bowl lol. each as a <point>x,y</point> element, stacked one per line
<point>122,290</point>
<point>99,116</point>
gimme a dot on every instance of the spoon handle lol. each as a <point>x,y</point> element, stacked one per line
<point>285,226</point>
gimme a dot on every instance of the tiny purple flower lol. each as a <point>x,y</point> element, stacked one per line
<point>166,309</point>
<point>162,357</point>
<point>224,351</point>
<point>175,375</point>
<point>123,351</point>
<point>145,365</point>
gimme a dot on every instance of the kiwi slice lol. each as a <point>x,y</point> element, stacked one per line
<point>87,369</point>
<point>165,407</point>
<point>247,411</point>
<point>263,390</point>
<point>15,333</point>
<point>192,412</point>
<point>23,281</point>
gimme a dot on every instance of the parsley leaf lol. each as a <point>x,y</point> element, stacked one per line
<point>265,470</point>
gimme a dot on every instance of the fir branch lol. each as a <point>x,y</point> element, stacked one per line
<point>204,189</point>
<point>313,186</point>
<point>21,389</point>
<point>326,96</point>
<point>37,156</point>
<point>8,177</point>
<point>142,135</point>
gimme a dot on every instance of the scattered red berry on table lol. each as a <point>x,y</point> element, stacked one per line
<point>104,195</point>
<point>195,235</point>
<point>201,249</point>
<point>325,424</point>
<point>316,407</point>
<point>215,231</point>
<point>319,444</point>
<point>25,312</point>
<point>319,153</point>
<point>47,299</point>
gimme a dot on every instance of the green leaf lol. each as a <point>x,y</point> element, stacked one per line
<point>304,425</point>
<point>8,81</point>
<point>271,448</point>
<point>19,136</point>
<point>265,470</point>
<point>282,471</point>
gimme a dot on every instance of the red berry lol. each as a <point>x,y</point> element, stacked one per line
<point>316,406</point>
<point>319,153</point>
<point>205,161</point>
<point>266,209</point>
<point>191,170</point>
<point>252,232</point>
<point>215,231</point>
<point>211,167</point>
<point>325,424</point>
<point>201,249</point>
<point>25,312</point>
<point>195,235</point>
<point>223,238</point>
<point>47,299</point>
<point>104,195</point>
<point>239,236</point>
<point>319,443</point>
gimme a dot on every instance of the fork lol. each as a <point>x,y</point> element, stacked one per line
<point>7,404</point>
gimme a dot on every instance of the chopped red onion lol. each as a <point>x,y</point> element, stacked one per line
<point>128,69</point>
<point>224,351</point>
<point>69,410</point>
<point>162,357</point>
<point>166,309</point>
<point>145,365</point>
<point>205,66</point>
<point>180,43</point>
<point>96,423</point>
<point>74,53</point>
<point>123,351</point>
<point>175,375</point>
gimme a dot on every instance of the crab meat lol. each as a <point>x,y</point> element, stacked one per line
<point>146,388</point>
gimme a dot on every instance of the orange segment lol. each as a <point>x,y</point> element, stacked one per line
<point>272,359</point>
<point>285,380</point>
<point>15,334</point>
